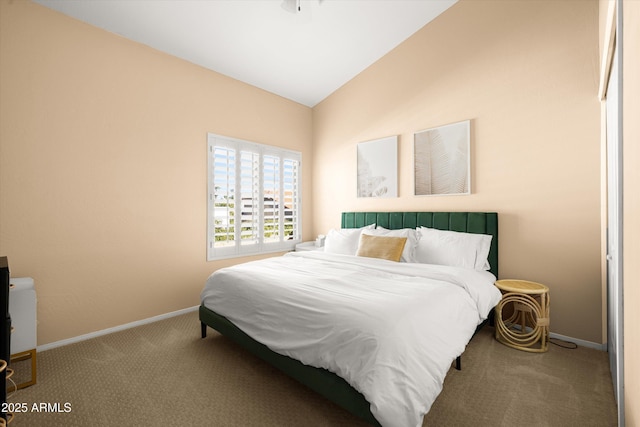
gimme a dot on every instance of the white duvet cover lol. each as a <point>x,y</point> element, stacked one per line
<point>390,329</point>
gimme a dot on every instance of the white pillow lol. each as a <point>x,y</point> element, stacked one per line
<point>453,248</point>
<point>408,254</point>
<point>344,241</point>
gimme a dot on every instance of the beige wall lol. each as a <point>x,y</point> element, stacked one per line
<point>103,168</point>
<point>103,165</point>
<point>526,74</point>
<point>103,161</point>
<point>631,170</point>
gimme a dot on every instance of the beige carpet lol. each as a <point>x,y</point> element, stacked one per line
<point>163,374</point>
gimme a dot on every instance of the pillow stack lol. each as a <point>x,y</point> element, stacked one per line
<point>422,245</point>
<point>358,241</point>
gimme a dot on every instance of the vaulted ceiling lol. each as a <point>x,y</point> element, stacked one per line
<point>302,50</point>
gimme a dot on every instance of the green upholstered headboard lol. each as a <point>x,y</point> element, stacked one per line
<point>468,222</point>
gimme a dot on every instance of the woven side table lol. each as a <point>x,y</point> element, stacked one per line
<point>522,316</point>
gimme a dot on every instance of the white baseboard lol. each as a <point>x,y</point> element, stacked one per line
<point>581,343</point>
<point>114,329</point>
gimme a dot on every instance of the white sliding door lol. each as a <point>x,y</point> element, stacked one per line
<point>614,233</point>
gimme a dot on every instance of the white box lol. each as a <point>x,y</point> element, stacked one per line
<point>22,309</point>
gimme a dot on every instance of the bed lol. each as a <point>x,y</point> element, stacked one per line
<point>245,329</point>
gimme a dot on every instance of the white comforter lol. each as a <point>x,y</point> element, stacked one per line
<point>390,329</point>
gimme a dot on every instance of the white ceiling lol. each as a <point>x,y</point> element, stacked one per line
<point>303,56</point>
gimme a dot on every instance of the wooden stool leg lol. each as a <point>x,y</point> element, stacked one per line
<point>19,357</point>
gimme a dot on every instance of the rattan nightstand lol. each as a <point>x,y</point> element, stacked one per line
<point>522,316</point>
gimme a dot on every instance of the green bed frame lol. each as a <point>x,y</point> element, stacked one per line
<point>324,382</point>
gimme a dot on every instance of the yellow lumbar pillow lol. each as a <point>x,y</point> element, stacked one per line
<point>384,247</point>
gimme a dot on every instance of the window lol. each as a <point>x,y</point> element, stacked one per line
<point>253,198</point>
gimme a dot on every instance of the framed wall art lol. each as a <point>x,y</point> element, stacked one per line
<point>442,162</point>
<point>378,168</point>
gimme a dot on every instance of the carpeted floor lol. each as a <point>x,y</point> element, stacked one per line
<point>163,374</point>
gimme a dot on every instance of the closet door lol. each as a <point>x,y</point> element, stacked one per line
<point>614,235</point>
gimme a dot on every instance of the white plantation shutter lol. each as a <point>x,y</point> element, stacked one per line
<point>253,198</point>
<point>223,197</point>
<point>250,190</point>
<point>271,197</point>
<point>291,197</point>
